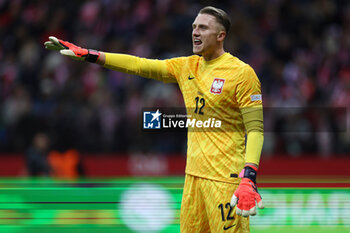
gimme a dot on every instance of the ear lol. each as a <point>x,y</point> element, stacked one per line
<point>221,36</point>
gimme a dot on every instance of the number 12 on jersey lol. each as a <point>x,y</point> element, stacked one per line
<point>201,102</point>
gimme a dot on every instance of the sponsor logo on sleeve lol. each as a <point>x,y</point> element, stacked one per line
<point>256,97</point>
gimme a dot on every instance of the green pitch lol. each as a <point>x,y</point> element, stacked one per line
<point>153,205</point>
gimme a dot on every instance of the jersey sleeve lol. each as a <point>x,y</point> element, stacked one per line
<point>147,68</point>
<point>175,66</point>
<point>248,95</point>
<point>254,124</point>
<point>248,92</point>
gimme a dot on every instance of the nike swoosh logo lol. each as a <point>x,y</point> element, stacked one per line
<point>190,78</point>
<point>226,228</point>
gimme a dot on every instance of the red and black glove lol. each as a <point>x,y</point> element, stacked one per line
<point>71,50</point>
<point>246,197</point>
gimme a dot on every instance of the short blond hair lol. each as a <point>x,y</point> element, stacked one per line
<point>220,16</point>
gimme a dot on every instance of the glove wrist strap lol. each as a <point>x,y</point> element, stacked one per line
<point>92,56</point>
<point>250,173</point>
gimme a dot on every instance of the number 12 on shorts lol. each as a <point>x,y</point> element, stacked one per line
<point>229,214</point>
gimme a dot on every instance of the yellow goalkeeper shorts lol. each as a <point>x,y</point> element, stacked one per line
<point>206,207</point>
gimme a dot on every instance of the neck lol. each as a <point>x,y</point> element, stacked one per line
<point>213,55</point>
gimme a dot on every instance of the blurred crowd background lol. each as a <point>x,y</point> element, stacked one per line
<point>300,50</point>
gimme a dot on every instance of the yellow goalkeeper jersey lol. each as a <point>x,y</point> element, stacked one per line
<point>216,89</point>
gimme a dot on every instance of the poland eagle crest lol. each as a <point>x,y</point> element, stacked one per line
<point>217,85</point>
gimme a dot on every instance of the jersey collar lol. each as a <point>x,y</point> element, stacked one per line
<point>216,60</point>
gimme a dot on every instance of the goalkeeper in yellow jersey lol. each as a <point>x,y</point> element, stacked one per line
<point>220,190</point>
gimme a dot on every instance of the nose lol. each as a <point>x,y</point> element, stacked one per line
<point>195,31</point>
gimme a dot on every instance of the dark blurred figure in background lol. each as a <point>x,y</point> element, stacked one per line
<point>36,155</point>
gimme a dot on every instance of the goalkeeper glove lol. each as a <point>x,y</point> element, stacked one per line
<point>246,195</point>
<point>71,50</point>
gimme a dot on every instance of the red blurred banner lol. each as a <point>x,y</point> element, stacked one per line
<point>108,165</point>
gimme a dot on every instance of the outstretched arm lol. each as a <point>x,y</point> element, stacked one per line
<point>148,68</point>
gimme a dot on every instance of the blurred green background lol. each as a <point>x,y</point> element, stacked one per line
<point>153,205</point>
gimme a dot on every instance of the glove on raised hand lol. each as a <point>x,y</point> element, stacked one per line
<point>71,50</point>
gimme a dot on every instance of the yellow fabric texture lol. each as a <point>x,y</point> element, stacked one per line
<point>205,207</point>
<point>253,121</point>
<point>148,68</point>
<point>211,154</point>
